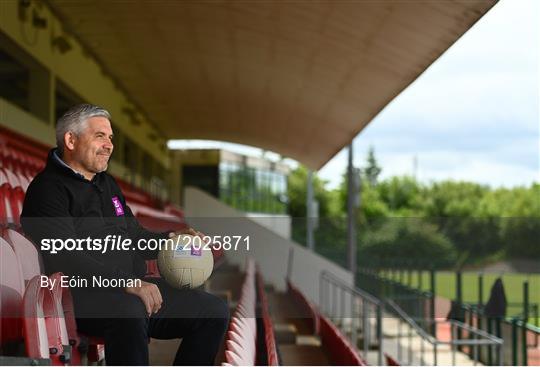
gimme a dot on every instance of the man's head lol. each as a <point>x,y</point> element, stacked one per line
<point>84,139</point>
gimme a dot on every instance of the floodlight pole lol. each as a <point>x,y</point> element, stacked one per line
<point>351,217</point>
<point>309,212</point>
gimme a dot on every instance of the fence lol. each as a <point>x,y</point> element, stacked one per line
<point>476,340</point>
<point>521,339</point>
<point>352,310</point>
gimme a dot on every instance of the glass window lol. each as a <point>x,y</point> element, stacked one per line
<point>14,81</point>
<point>118,142</point>
<point>65,98</point>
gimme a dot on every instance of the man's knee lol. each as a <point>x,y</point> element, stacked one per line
<point>128,306</point>
<point>125,331</point>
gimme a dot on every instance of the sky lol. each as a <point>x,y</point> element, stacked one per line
<point>473,115</point>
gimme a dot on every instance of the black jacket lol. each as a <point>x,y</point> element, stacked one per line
<point>62,204</point>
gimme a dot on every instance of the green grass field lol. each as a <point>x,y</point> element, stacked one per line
<point>513,286</point>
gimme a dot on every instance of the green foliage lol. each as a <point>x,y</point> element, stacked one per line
<point>372,169</point>
<point>453,199</point>
<point>402,195</point>
<point>449,223</point>
<point>410,240</point>
<point>520,229</point>
<point>297,193</point>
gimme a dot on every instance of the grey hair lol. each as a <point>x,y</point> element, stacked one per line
<point>75,120</point>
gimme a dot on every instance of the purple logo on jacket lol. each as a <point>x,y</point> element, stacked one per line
<point>117,206</point>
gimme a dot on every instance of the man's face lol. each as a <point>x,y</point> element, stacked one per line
<point>93,147</point>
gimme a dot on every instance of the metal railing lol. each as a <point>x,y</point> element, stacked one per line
<point>519,336</point>
<point>476,339</point>
<point>415,302</point>
<point>352,310</point>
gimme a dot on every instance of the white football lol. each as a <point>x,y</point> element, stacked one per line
<point>186,264</point>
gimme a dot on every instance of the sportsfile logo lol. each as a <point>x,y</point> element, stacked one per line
<point>184,244</point>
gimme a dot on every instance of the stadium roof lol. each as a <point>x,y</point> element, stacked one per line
<point>300,78</point>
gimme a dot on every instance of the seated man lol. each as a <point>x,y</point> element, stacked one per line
<point>74,198</point>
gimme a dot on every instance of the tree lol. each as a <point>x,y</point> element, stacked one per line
<point>406,240</point>
<point>297,193</point>
<point>402,195</point>
<point>372,169</point>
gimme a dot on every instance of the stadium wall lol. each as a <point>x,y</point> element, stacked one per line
<point>270,250</point>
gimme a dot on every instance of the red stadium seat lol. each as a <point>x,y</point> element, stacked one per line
<point>41,328</point>
<point>175,210</point>
<point>5,206</point>
<point>240,346</point>
<point>11,177</point>
<point>12,200</point>
<point>337,346</point>
<point>26,252</point>
<point>16,195</point>
<point>11,295</point>
<point>271,356</point>
<point>68,326</point>
<point>307,308</point>
<point>68,331</point>
<point>391,361</point>
<point>24,180</point>
<point>234,359</point>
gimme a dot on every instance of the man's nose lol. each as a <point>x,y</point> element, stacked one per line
<point>108,145</point>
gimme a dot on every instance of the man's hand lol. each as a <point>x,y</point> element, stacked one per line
<point>150,295</point>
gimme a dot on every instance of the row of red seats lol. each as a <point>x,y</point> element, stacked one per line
<point>307,308</point>
<point>42,318</point>
<point>12,189</point>
<point>240,342</point>
<point>337,346</point>
<point>271,355</point>
<point>244,328</point>
<point>21,155</point>
<point>26,157</point>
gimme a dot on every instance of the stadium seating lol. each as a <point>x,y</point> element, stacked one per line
<point>12,290</point>
<point>270,357</point>
<point>307,308</point>
<point>42,330</point>
<point>49,323</point>
<point>391,361</point>
<point>28,314</point>
<point>11,200</point>
<point>68,328</point>
<point>240,346</point>
<point>341,352</point>
<point>26,252</point>
<point>337,347</point>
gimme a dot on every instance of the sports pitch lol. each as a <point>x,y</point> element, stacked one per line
<point>513,286</point>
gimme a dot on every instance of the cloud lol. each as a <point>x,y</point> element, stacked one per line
<point>473,115</point>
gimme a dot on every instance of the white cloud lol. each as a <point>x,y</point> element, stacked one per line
<point>473,115</point>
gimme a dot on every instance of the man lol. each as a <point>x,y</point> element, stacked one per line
<point>74,198</point>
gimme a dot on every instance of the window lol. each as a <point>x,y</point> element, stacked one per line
<point>24,81</point>
<point>14,81</point>
<point>65,98</point>
<point>131,154</point>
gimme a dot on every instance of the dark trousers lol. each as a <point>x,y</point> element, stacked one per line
<point>197,317</point>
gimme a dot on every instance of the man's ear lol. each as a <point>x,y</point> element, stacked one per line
<point>69,140</point>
